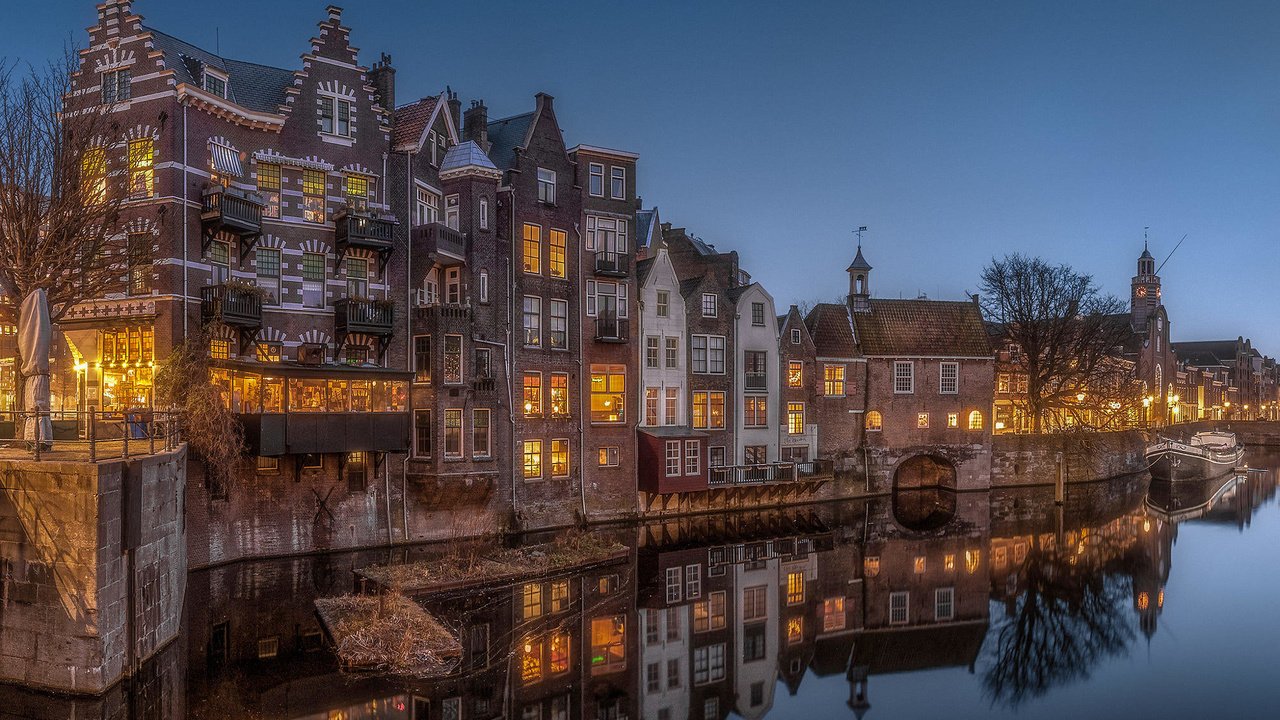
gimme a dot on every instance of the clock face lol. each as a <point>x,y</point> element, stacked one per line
<point>1142,291</point>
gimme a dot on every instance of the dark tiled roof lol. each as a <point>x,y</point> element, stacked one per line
<point>259,88</point>
<point>505,136</point>
<point>917,328</point>
<point>734,293</point>
<point>1206,353</point>
<point>690,286</point>
<point>411,121</point>
<point>642,270</point>
<point>831,330</point>
<point>919,648</point>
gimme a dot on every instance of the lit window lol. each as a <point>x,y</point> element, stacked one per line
<point>833,380</point>
<point>532,248</point>
<point>949,378</point>
<point>708,410</point>
<point>953,420</point>
<point>795,588</point>
<point>608,388</point>
<point>142,168</point>
<point>547,186</point>
<point>269,352</point>
<point>975,420</point>
<point>532,459</point>
<point>358,189</point>
<point>533,394</point>
<point>918,564</point>
<point>555,263</point>
<point>709,614</point>
<point>871,566</point>
<point>608,456</point>
<point>313,188</point>
<point>795,373</point>
<point>874,421</point>
<point>93,173</point>
<point>904,377</point>
<point>560,648</point>
<point>608,644</point>
<point>531,661</point>
<point>922,420</point>
<point>559,395</point>
<point>833,617</point>
<point>795,630</point>
<point>220,349</point>
<point>795,418</point>
<point>559,458</point>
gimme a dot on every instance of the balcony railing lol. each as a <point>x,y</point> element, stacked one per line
<point>354,228</point>
<point>755,381</point>
<point>231,304</point>
<point>449,246</point>
<point>231,210</point>
<point>612,329</point>
<point>751,474</point>
<point>609,262</point>
<point>441,311</point>
<point>366,317</point>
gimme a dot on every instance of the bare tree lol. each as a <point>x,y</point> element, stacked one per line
<point>183,385</point>
<point>1070,334</point>
<point>60,197</point>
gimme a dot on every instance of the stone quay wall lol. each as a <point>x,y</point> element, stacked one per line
<point>1034,459</point>
<point>92,568</point>
<point>1250,432</point>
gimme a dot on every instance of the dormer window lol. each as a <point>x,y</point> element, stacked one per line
<point>335,116</point>
<point>215,83</point>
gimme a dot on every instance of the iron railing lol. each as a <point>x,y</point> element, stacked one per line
<point>93,435</point>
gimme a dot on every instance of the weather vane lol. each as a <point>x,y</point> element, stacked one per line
<point>861,229</point>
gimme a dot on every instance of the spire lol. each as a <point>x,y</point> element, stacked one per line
<point>859,262</point>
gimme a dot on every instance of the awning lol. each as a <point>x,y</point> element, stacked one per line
<point>225,160</point>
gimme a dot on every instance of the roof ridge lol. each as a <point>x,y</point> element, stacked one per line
<point>224,58</point>
<point>513,117</point>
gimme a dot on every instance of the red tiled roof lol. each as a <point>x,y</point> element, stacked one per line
<point>923,328</point>
<point>411,120</point>
<point>832,331</point>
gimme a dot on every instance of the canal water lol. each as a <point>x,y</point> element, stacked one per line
<point>1129,600</point>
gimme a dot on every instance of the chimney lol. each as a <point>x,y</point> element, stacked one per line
<point>544,102</point>
<point>335,13</point>
<point>455,107</point>
<point>383,77</point>
<point>475,124</point>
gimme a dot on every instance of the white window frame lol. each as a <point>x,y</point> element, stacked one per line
<point>904,377</point>
<point>710,302</point>
<point>948,385</point>
<point>484,213</point>
<point>675,584</point>
<point>617,173</point>
<point>899,607</point>
<point>795,336</point>
<point>692,582</point>
<point>484,286</point>
<point>692,458</point>
<point>332,103</point>
<point>595,170</point>
<point>673,458</point>
<point>546,186</point>
<point>663,303</point>
<point>944,597</point>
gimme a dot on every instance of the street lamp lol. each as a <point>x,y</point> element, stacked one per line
<point>1146,410</point>
<point>1173,407</point>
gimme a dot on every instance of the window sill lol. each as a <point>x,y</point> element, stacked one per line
<point>345,141</point>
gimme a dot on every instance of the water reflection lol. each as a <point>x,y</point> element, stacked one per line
<point>720,615</point>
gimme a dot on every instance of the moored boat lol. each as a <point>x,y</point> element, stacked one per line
<point>1205,455</point>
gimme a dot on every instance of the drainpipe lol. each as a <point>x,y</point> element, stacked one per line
<point>517,458</point>
<point>408,356</point>
<point>582,436</point>
<point>185,289</point>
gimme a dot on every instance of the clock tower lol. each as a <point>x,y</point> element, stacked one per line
<point>1145,290</point>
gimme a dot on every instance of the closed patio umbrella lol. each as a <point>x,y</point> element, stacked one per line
<point>35,332</point>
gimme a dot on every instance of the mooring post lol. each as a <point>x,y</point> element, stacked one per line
<point>1059,483</point>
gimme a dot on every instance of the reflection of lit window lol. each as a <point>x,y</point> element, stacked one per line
<point>795,630</point>
<point>971,560</point>
<point>795,588</point>
<point>559,595</point>
<point>874,421</point>
<point>833,614</point>
<point>1143,601</point>
<point>949,561</point>
<point>709,614</point>
<point>919,565</point>
<point>922,420</point>
<point>871,566</point>
<point>532,394</point>
<point>608,644</point>
<point>531,661</point>
<point>975,420</point>
<point>559,652</point>
<point>532,600</point>
<point>953,420</point>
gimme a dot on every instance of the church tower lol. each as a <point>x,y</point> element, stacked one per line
<point>860,283</point>
<point>1144,295</point>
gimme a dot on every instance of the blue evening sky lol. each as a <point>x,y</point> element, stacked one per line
<point>955,131</point>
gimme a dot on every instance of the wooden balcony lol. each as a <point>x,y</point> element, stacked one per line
<point>233,305</point>
<point>366,230</point>
<point>231,211</point>
<point>364,317</point>
<point>731,475</point>
<point>444,245</point>
<point>613,264</point>
<point>612,330</point>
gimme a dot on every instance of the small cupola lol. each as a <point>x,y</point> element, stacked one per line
<point>860,282</point>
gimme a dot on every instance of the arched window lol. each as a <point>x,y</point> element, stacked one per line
<point>975,420</point>
<point>1159,382</point>
<point>861,284</point>
<point>873,420</point>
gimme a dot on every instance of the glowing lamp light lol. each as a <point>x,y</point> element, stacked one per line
<point>1080,397</point>
<point>1146,525</point>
